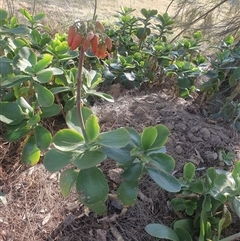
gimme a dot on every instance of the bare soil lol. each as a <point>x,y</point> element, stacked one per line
<point>36,210</point>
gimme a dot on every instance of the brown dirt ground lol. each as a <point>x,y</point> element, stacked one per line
<point>36,210</point>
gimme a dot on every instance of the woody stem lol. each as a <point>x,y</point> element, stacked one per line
<point>79,94</point>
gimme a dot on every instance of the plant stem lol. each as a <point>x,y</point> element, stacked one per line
<point>79,94</point>
<point>232,237</point>
<point>95,10</point>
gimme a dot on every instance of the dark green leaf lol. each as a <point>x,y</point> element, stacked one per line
<point>15,80</point>
<point>53,110</point>
<point>183,234</point>
<point>11,113</point>
<point>72,119</point>
<point>67,140</point>
<point>133,172</point>
<point>3,14</point>
<point>189,171</point>
<point>164,180</point>
<point>92,186</point>
<point>114,139</point>
<point>162,136</point>
<point>44,76</point>
<point>89,159</point>
<point>43,137</point>
<point>197,187</point>
<point>162,161</point>
<point>161,231</point>
<point>44,96</point>
<point>67,179</point>
<point>127,192</point>
<point>54,160</point>
<point>28,54</point>
<point>148,137</point>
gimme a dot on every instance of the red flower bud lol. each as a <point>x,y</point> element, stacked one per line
<point>94,43</point>
<point>71,34</point>
<point>100,26</point>
<point>85,44</point>
<point>90,35</point>
<point>108,42</point>
<point>77,40</point>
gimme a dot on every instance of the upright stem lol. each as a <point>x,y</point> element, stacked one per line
<point>79,93</point>
<point>95,10</point>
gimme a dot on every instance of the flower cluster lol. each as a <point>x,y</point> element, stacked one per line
<point>85,36</point>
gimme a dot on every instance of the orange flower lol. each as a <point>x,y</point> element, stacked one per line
<point>102,51</point>
<point>100,26</point>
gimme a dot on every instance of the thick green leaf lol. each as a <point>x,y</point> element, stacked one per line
<point>5,66</point>
<point>178,204</point>
<point>236,173</point>
<point>236,205</point>
<point>67,179</point>
<point>197,186</point>
<point>148,137</point>
<point>53,110</point>
<point>183,234</point>
<point>30,153</point>
<point>162,136</point>
<point>120,155</point>
<point>54,160</point>
<point>39,16</point>
<point>17,132</point>
<point>189,171</point>
<point>162,161</point>
<point>92,127</point>
<point>89,159</point>
<point>134,136</point>
<point>164,180</point>
<point>44,96</point>
<point>161,231</point>
<point>67,140</point>
<point>72,118</point>
<point>11,113</point>
<point>186,224</point>
<point>133,172</point>
<point>43,137</point>
<point>43,63</point>
<point>15,80</point>
<point>114,139</point>
<point>44,76</point>
<point>102,95</point>
<point>60,89</point>
<point>99,208</point>
<point>92,186</point>
<point>127,192</point>
<point>28,54</point>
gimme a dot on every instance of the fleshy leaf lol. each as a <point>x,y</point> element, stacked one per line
<point>161,231</point>
<point>127,192</point>
<point>44,96</point>
<point>148,137</point>
<point>114,139</point>
<point>92,186</point>
<point>67,140</point>
<point>164,180</point>
<point>54,160</point>
<point>89,159</point>
<point>67,179</point>
<point>92,127</point>
<point>30,152</point>
<point>43,137</point>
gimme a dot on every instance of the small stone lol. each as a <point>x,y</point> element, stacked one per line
<point>179,149</point>
<point>205,134</point>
